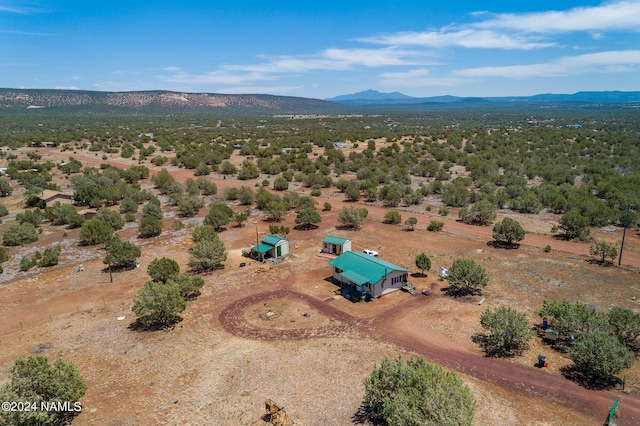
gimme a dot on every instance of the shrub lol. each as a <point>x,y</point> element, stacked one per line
<point>423,262</point>
<point>307,217</point>
<point>392,217</point>
<point>352,217</point>
<point>35,379</point>
<point>509,330</point>
<point>480,213</point>
<point>326,207</point>
<point>602,250</point>
<point>598,355</point>
<point>121,253</point>
<point>574,225</point>
<point>95,231</point>
<point>280,184</point>
<point>508,231</point>
<point>112,217</point>
<point>466,277</point>
<point>207,255</point>
<point>414,392</point>
<point>158,304</point>
<point>19,234</point>
<point>162,269</point>
<point>435,226</point>
<point>150,226</point>
<point>411,222</point>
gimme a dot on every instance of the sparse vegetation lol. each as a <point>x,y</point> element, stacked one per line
<point>509,330</point>
<point>35,379</point>
<point>414,392</point>
<point>466,277</point>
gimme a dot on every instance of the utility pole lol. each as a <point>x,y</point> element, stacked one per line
<point>624,232</point>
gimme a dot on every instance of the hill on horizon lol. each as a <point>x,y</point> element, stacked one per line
<point>158,101</point>
<point>372,101</point>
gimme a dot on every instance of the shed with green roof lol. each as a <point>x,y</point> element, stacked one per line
<point>270,246</point>
<point>361,275</point>
<point>335,245</point>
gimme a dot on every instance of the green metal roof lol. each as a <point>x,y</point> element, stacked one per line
<point>334,240</point>
<point>355,277</point>
<point>262,248</point>
<point>272,239</point>
<point>364,266</point>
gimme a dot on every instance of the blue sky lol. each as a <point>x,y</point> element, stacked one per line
<point>321,49</point>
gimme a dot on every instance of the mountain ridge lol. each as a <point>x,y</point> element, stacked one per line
<point>16,99</point>
<point>164,101</point>
<point>366,98</point>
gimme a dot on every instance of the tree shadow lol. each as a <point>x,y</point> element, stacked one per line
<point>121,268</point>
<point>503,245</point>
<point>305,227</point>
<point>348,228</point>
<point>588,381</point>
<point>364,416</point>
<point>605,263</point>
<point>139,327</point>
<point>481,340</point>
<point>418,275</point>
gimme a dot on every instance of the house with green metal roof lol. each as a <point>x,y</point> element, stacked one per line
<point>361,275</point>
<point>335,245</point>
<point>270,247</point>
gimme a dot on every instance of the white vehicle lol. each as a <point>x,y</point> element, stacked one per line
<point>371,252</point>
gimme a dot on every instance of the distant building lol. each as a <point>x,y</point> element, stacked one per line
<point>335,245</point>
<point>341,145</point>
<point>50,197</point>
<point>362,276</point>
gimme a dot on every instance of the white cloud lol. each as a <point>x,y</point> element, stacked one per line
<point>521,31</point>
<point>621,15</point>
<point>280,67</point>
<point>17,9</point>
<point>612,61</point>
<point>469,38</point>
<point>270,90</point>
<point>221,76</point>
<point>67,88</point>
<point>418,78</point>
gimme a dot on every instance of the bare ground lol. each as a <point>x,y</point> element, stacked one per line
<point>264,331</point>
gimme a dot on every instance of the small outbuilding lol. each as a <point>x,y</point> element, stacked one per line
<point>335,245</point>
<point>362,276</point>
<point>50,197</point>
<point>271,246</point>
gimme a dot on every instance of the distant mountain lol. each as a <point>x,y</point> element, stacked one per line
<point>370,95</point>
<point>167,102</point>
<point>156,101</point>
<point>373,97</point>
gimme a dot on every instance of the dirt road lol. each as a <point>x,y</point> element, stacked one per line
<point>392,326</point>
<point>631,258</point>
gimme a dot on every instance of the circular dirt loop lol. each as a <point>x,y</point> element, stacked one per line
<point>285,314</point>
<point>267,316</point>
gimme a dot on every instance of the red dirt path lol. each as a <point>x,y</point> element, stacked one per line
<point>393,326</point>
